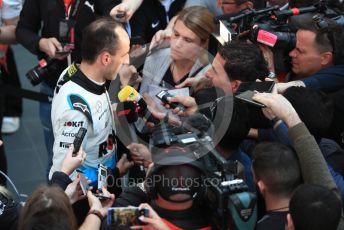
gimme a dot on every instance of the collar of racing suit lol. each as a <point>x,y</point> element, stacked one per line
<point>81,79</point>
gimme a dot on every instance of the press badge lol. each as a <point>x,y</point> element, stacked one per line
<point>64,30</point>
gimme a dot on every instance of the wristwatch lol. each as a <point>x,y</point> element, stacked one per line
<point>272,75</point>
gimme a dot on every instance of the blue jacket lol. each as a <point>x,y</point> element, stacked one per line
<point>328,79</point>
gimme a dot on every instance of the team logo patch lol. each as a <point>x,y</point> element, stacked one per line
<point>78,103</point>
<point>73,124</point>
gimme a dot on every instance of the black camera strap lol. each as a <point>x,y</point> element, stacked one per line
<point>28,94</point>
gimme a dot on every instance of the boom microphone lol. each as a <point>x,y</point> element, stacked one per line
<point>281,14</point>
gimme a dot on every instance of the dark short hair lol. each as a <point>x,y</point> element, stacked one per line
<point>99,36</point>
<point>329,36</point>
<point>277,166</point>
<point>238,127</point>
<point>314,108</point>
<point>244,61</point>
<point>315,207</point>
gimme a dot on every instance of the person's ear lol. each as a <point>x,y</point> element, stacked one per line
<point>105,58</point>
<point>326,58</point>
<point>204,44</point>
<point>290,223</point>
<point>262,187</point>
<point>235,85</point>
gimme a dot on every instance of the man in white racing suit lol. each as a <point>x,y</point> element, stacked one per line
<point>81,98</point>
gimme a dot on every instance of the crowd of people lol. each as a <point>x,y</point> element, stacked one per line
<point>182,111</point>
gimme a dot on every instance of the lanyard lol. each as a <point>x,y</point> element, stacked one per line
<point>72,8</point>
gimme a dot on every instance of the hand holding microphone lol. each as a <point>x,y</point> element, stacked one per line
<point>128,93</point>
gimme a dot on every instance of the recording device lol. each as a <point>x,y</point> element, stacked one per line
<point>128,93</point>
<point>102,176</point>
<point>101,196</point>
<point>83,183</point>
<point>79,137</point>
<point>63,51</point>
<point>269,26</point>
<point>126,216</point>
<point>261,87</point>
<point>165,135</point>
<point>247,98</point>
<point>128,111</point>
<point>163,95</point>
<point>37,74</point>
<point>231,204</point>
<point>85,187</point>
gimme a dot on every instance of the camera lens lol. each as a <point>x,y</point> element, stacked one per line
<point>39,72</point>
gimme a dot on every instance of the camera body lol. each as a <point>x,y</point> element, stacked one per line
<point>49,67</point>
<point>40,72</point>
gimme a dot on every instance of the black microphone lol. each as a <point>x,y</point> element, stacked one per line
<point>127,109</point>
<point>294,11</point>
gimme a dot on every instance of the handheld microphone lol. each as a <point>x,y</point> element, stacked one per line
<point>127,110</point>
<point>128,93</point>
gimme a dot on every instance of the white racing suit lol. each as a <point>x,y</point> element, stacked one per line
<point>81,102</point>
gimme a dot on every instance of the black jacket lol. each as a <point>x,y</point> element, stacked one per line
<point>45,16</point>
<point>147,20</point>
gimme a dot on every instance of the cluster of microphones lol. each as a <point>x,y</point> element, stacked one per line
<point>132,106</point>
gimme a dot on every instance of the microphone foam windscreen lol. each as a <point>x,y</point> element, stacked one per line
<point>128,93</point>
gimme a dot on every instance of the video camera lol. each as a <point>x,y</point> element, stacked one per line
<point>270,26</point>
<point>231,204</point>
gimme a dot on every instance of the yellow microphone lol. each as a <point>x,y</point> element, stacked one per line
<point>128,93</point>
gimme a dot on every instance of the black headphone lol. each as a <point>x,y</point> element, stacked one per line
<point>198,196</point>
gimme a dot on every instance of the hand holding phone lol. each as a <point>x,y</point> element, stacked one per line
<point>83,183</point>
<point>102,176</point>
<point>260,86</point>
<point>247,97</point>
<point>101,196</point>
<point>126,216</point>
<point>163,95</point>
<point>79,137</point>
